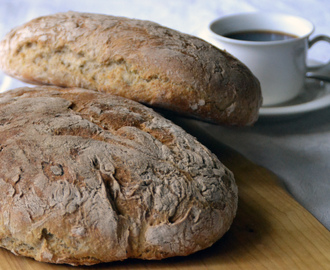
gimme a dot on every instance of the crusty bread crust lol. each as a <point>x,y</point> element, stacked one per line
<point>139,60</point>
<point>88,177</point>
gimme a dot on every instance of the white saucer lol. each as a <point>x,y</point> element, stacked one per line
<point>314,96</point>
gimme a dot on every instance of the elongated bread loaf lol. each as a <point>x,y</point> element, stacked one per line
<point>88,177</point>
<point>139,60</point>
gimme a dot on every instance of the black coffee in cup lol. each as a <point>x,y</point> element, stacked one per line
<point>260,35</point>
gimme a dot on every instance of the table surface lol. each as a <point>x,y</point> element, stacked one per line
<point>297,149</point>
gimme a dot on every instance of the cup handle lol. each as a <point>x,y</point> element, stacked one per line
<point>311,43</point>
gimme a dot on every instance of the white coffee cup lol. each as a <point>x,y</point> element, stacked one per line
<point>279,65</point>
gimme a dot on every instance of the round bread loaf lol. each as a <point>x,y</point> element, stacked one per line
<point>139,60</point>
<point>88,177</point>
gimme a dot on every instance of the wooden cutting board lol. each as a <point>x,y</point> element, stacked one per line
<point>271,230</point>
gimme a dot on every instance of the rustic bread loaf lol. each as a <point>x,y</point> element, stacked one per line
<point>139,60</point>
<point>88,177</point>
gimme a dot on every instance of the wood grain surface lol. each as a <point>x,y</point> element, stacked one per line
<point>271,230</point>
